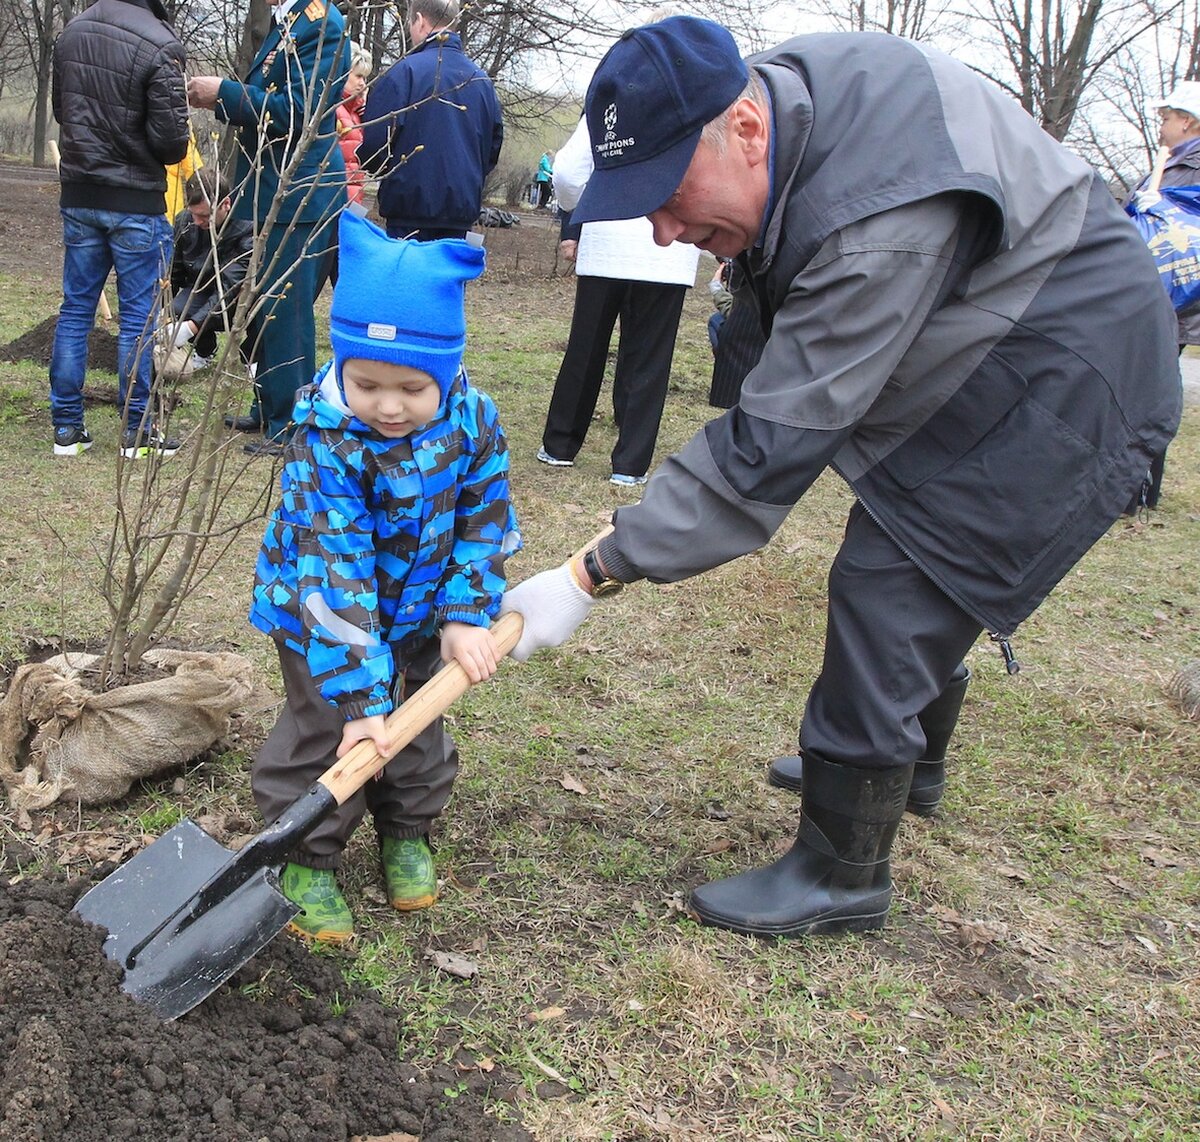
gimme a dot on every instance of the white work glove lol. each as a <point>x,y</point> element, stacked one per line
<point>183,334</point>
<point>552,604</point>
<point>1144,200</point>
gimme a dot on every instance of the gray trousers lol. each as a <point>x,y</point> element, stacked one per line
<point>410,792</point>
<point>892,642</point>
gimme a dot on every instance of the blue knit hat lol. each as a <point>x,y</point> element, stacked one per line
<point>401,301</point>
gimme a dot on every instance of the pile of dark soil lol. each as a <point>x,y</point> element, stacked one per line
<point>38,343</point>
<point>286,1050</point>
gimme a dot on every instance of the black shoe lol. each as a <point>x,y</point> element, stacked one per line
<point>71,441</point>
<point>271,448</point>
<point>938,720</point>
<point>924,795</point>
<point>837,877</point>
<point>244,423</point>
<point>142,443</point>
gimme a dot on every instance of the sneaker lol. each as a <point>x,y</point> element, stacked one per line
<point>553,461</point>
<point>71,441</point>
<point>626,481</point>
<point>409,872</point>
<point>141,443</point>
<point>199,362</point>
<point>324,915</point>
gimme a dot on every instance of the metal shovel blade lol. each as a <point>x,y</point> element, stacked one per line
<point>174,954</point>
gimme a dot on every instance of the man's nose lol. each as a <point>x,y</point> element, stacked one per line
<point>666,228</point>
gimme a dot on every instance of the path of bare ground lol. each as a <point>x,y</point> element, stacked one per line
<point>287,1049</point>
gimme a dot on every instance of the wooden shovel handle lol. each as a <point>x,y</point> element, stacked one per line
<point>350,773</point>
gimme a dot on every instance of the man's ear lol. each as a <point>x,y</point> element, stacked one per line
<point>750,130</point>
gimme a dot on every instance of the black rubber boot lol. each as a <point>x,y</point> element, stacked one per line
<point>938,720</point>
<point>837,877</point>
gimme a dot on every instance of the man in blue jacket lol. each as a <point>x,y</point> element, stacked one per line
<point>433,130</point>
<point>291,182</point>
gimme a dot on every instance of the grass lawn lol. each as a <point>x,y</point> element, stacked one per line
<point>1038,977</point>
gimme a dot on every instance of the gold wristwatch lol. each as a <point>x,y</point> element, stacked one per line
<point>602,584</point>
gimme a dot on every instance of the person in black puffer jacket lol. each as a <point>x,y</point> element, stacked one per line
<point>118,94</point>
<point>212,254</point>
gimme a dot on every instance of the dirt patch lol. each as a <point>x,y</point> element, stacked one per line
<point>38,343</point>
<point>286,1050</point>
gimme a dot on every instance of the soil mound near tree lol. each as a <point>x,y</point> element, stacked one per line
<point>38,343</point>
<point>286,1050</point>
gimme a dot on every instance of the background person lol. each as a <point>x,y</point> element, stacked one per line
<point>178,175</point>
<point>208,267</point>
<point>987,358</point>
<point>432,130</point>
<point>1179,129</point>
<point>621,275</point>
<point>299,72</point>
<point>385,556</point>
<point>543,180</point>
<point>118,97</point>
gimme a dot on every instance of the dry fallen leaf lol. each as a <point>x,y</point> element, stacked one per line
<point>453,964</point>
<point>1159,857</point>
<point>546,1014</point>
<point>573,784</point>
<point>1013,873</point>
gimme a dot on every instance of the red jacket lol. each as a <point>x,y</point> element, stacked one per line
<point>349,129</point>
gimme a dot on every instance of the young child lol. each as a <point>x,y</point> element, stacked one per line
<point>385,557</point>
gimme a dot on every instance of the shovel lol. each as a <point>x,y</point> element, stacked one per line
<point>185,913</point>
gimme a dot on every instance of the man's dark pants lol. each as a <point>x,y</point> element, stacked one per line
<point>892,641</point>
<point>292,261</point>
<point>649,314</point>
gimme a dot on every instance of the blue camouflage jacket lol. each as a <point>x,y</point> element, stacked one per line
<point>377,541</point>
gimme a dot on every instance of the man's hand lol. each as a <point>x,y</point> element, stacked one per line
<point>365,729</point>
<point>568,248</point>
<point>553,604</point>
<point>202,91</point>
<point>472,647</point>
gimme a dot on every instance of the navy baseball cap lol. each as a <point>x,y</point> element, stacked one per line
<point>651,96</point>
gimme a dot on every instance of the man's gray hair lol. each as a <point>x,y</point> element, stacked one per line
<point>716,131</point>
<point>440,13</point>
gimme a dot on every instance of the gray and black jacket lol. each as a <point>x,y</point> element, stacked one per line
<point>961,321</point>
<point>119,96</point>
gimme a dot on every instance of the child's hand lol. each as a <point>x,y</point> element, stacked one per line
<point>473,648</point>
<point>365,729</point>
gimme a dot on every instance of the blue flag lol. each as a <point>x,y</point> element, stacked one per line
<point>1171,228</point>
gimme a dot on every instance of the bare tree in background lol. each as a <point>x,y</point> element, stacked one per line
<point>1118,132</point>
<point>1054,50</point>
<point>926,20</point>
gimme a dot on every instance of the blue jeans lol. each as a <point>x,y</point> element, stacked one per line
<point>138,246</point>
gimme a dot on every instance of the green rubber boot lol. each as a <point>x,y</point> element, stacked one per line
<point>409,872</point>
<point>324,917</point>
